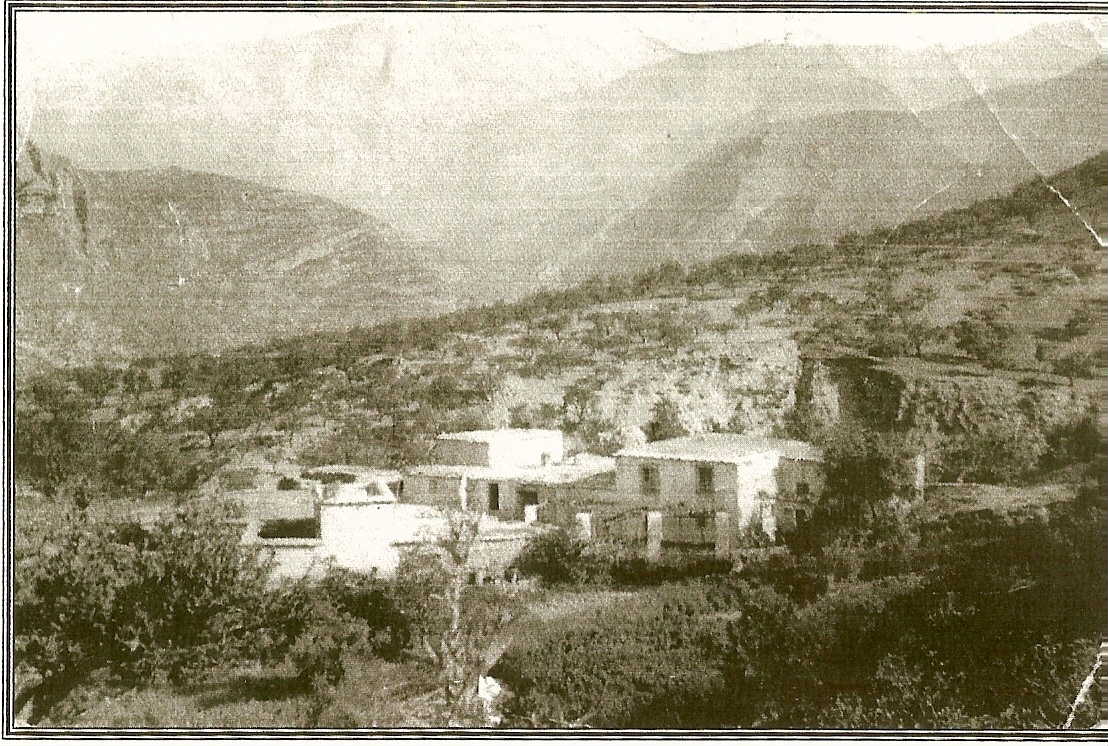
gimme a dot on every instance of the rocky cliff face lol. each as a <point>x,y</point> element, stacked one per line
<point>948,412</point>
<point>855,388</point>
<point>137,262</point>
<point>51,199</point>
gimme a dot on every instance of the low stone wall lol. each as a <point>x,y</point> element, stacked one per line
<point>490,559</point>
<point>626,526</point>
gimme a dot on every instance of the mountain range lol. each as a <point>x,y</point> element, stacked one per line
<point>812,179</point>
<point>454,168</point>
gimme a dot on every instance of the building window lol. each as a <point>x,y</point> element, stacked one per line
<point>649,478</point>
<point>705,483</point>
<point>545,459</point>
<point>494,496</point>
<point>802,489</point>
<point>529,497</point>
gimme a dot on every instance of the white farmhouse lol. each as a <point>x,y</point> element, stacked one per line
<point>512,474</point>
<point>503,448</point>
<point>767,479</point>
<point>362,527</point>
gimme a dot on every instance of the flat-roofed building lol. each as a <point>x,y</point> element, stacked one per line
<point>753,478</point>
<point>509,492</point>
<point>503,448</point>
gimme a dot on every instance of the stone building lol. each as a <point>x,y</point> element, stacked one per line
<point>513,474</point>
<point>767,480</point>
<point>503,448</point>
<point>362,527</point>
<point>695,493</point>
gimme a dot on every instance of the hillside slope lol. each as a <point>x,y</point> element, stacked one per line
<point>1068,207</point>
<point>128,262</point>
<point>736,343</point>
<point>785,184</point>
<point>935,76</point>
<point>546,177</point>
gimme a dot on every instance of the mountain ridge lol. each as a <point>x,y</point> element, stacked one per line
<point>127,261</point>
<point>946,158</point>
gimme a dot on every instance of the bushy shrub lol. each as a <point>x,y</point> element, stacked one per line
<point>320,651</point>
<point>288,483</point>
<point>238,479</point>
<point>139,602</point>
<point>329,477</point>
<point>1081,322</point>
<point>863,470</point>
<point>801,579</point>
<point>267,440</point>
<point>311,623</point>
<point>1004,450</point>
<point>376,602</point>
<point>632,570</point>
<point>1076,364</point>
<point>559,558</point>
<point>554,557</point>
<point>582,671</point>
<point>982,335</point>
<point>544,415</point>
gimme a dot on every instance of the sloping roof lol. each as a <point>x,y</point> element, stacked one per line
<point>487,436</point>
<point>722,448</point>
<point>581,466</point>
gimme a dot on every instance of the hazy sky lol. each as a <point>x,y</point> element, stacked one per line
<point>64,38</point>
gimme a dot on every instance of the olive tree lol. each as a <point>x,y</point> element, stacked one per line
<point>141,603</point>
<point>461,627</point>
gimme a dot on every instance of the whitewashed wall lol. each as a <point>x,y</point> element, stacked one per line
<point>509,449</point>
<point>361,536</point>
<point>677,483</point>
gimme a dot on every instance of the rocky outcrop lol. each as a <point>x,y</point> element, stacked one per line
<point>932,400</point>
<point>855,388</point>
